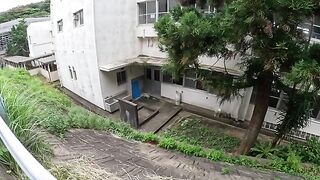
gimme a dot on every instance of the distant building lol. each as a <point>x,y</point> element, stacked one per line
<point>41,47</point>
<point>109,49</point>
<point>5,29</point>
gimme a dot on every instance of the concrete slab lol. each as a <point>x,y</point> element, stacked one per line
<point>166,112</point>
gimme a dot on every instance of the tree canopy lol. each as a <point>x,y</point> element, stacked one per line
<point>264,33</point>
<point>39,9</point>
<point>18,45</point>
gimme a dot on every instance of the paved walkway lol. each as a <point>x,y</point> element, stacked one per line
<point>133,160</point>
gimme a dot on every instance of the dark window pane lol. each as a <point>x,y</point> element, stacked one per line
<point>173,3</point>
<point>200,85</point>
<point>157,75</point>
<point>151,7</point>
<point>151,18</point>
<point>273,101</point>
<point>191,74</point>
<point>163,5</point>
<point>167,78</point>
<point>189,83</point>
<point>142,8</point>
<point>178,81</point>
<point>142,19</point>
<point>148,74</point>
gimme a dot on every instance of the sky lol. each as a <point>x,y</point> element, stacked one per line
<point>8,4</point>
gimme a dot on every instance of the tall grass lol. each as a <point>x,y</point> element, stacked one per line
<point>28,104</point>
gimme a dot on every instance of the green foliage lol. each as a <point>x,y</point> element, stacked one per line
<point>264,150</point>
<point>310,152</point>
<point>26,102</point>
<point>215,155</point>
<point>294,162</point>
<point>265,37</point>
<point>18,45</point>
<point>167,143</point>
<point>193,131</point>
<point>40,9</point>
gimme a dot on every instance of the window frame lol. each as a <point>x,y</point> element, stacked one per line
<point>121,77</point>
<point>60,25</point>
<point>80,21</point>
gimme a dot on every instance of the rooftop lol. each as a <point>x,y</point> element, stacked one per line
<point>6,27</point>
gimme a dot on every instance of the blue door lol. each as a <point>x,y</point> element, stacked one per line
<point>135,89</point>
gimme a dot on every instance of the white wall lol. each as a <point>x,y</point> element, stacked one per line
<point>200,98</point>
<point>116,40</point>
<point>40,38</point>
<point>109,84</point>
<point>76,47</point>
<point>116,22</point>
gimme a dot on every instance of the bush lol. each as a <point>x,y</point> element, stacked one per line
<point>168,143</point>
<point>309,152</point>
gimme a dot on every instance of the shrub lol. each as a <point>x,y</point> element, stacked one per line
<point>264,150</point>
<point>168,143</point>
<point>215,155</point>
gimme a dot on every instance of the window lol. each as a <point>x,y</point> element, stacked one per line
<point>156,75</point>
<point>149,74</point>
<point>70,71</point>
<point>60,25</point>
<point>178,81</point>
<point>163,7</point>
<point>147,12</point>
<point>74,73</point>
<point>278,99</point>
<point>78,18</point>
<point>53,67</point>
<point>167,78</point>
<point>121,77</point>
<point>190,79</point>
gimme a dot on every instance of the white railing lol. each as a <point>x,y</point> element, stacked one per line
<point>29,165</point>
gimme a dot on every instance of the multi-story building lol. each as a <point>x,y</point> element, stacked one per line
<point>5,29</point>
<point>109,48</point>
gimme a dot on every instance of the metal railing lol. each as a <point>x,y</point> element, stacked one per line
<point>29,165</point>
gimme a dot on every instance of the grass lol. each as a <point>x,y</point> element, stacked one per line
<point>193,131</point>
<point>83,169</point>
<point>33,106</point>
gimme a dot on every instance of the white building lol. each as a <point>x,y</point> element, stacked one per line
<point>109,48</point>
<point>41,47</point>
<point>5,29</point>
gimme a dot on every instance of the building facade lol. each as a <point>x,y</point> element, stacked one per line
<point>5,29</point>
<point>107,49</point>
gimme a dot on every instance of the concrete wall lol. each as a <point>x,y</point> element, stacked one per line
<point>201,98</point>
<point>109,84</point>
<point>76,47</point>
<point>116,22</point>
<point>40,38</point>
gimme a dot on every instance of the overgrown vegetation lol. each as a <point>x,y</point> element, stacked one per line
<point>46,107</point>
<point>193,131</point>
<point>18,44</point>
<point>39,9</point>
<point>264,37</point>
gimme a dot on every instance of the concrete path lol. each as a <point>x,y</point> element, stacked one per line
<point>133,160</point>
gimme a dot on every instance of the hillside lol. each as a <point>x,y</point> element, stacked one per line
<point>39,9</point>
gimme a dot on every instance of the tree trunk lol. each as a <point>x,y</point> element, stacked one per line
<point>277,140</point>
<point>260,110</point>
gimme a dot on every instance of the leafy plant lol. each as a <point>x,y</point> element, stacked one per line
<point>264,150</point>
<point>18,44</point>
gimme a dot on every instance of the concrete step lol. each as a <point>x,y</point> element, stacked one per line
<point>166,112</point>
